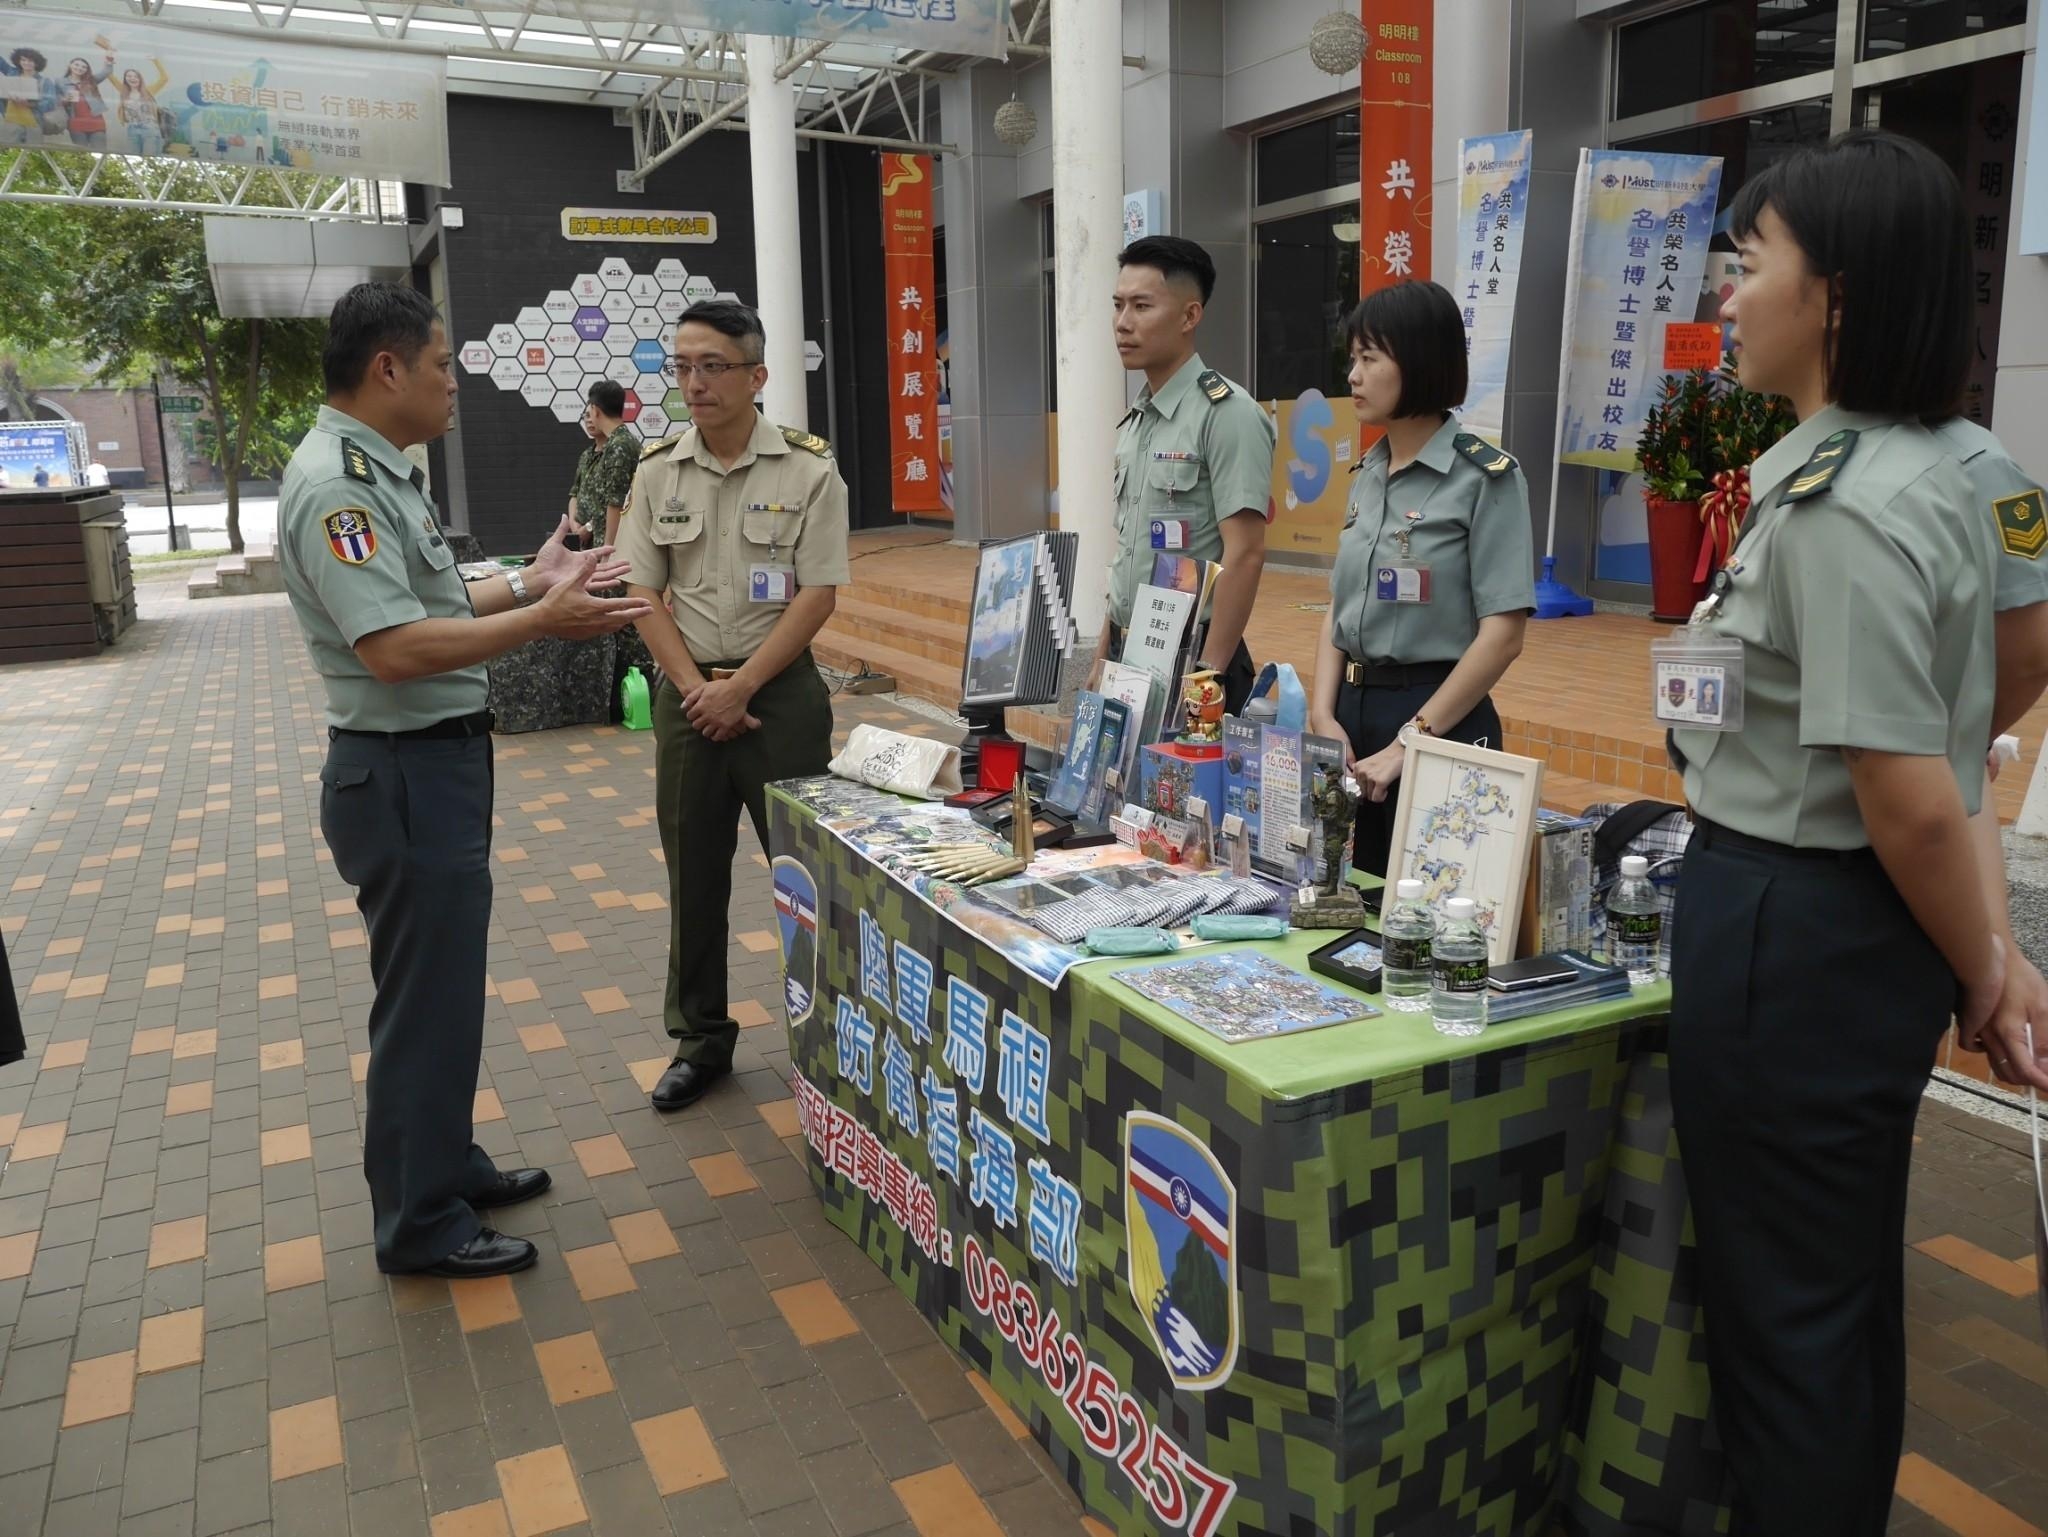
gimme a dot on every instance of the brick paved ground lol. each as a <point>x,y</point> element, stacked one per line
<point>193,1335</point>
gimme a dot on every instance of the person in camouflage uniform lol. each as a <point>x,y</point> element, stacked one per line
<point>604,475</point>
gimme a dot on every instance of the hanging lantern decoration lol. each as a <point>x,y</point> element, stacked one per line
<point>1016,124</point>
<point>1336,44</point>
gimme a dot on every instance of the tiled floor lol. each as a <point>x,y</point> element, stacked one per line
<point>194,1338</point>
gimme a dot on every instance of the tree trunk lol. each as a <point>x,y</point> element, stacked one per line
<point>220,438</point>
<point>241,448</point>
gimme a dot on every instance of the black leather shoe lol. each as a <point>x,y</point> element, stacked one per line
<point>489,1253</point>
<point>684,1084</point>
<point>513,1185</point>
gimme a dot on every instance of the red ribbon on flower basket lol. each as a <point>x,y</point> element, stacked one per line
<point>1722,510</point>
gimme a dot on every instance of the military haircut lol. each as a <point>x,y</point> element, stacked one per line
<point>1172,257</point>
<point>1882,218</point>
<point>609,396</point>
<point>1417,324</point>
<point>372,318</point>
<point>731,318</point>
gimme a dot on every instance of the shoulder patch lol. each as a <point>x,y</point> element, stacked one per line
<point>351,538</point>
<point>356,464</point>
<point>1213,384</point>
<point>2022,524</point>
<point>659,444</point>
<point>809,442</point>
<point>1826,463</point>
<point>1494,461</point>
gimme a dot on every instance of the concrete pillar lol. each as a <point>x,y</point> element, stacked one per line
<point>778,242</point>
<point>1087,182</point>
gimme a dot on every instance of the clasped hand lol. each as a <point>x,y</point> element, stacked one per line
<point>718,709</point>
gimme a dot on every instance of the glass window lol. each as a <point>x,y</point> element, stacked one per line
<point>1720,46</point>
<point>1310,158</point>
<point>1896,26</point>
<point>1307,283</point>
<point>1745,144</point>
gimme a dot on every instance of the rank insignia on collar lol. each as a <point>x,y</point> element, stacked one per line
<point>2022,524</point>
<point>1213,384</point>
<point>356,464</point>
<point>1819,471</point>
<point>1494,461</point>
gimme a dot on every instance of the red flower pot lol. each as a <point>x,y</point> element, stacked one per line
<point>1675,533</point>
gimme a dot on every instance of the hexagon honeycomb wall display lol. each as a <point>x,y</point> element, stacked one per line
<point>613,323</point>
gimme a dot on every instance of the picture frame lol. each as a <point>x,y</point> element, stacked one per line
<point>999,625</point>
<point>1463,826</point>
<point>1339,960</point>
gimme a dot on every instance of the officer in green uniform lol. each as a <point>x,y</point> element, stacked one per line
<point>1435,572</point>
<point>604,472</point>
<point>2013,500</point>
<point>1194,457</point>
<point>737,528</point>
<point>405,793</point>
<point>1831,912</point>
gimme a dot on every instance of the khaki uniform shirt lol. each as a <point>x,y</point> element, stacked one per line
<point>1862,595</point>
<point>604,477</point>
<point>696,530</point>
<point>2012,499</point>
<point>362,551</point>
<point>1197,452</point>
<point>1463,508</point>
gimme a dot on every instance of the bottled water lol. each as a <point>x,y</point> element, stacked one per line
<point>1407,931</point>
<point>1635,922</point>
<point>1457,999</point>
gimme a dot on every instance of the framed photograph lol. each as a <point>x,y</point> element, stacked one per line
<point>1352,958</point>
<point>999,622</point>
<point>1463,827</point>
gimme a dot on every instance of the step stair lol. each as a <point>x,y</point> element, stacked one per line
<point>253,571</point>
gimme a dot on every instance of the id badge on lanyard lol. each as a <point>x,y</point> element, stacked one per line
<point>1697,673</point>
<point>1404,580</point>
<point>771,580</point>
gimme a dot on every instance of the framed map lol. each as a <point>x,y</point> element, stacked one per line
<point>1463,827</point>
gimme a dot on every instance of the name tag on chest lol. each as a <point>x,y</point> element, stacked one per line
<point>771,584</point>
<point>1401,584</point>
<point>1169,533</point>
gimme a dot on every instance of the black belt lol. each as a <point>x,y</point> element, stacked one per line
<point>456,727</point>
<point>1396,674</point>
<point>1706,835</point>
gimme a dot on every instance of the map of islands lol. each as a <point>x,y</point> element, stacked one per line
<point>1460,823</point>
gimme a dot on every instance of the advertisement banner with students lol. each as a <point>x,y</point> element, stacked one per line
<point>1640,227</point>
<point>1493,211</point>
<point>151,88</point>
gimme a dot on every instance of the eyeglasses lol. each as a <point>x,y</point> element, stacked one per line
<point>713,371</point>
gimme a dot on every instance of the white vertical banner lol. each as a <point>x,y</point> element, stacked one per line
<point>1493,213</point>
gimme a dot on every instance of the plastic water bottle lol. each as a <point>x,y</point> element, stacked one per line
<point>1457,998</point>
<point>1635,922</point>
<point>1407,931</point>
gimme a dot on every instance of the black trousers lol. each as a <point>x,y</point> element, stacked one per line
<point>1372,717</point>
<point>1807,1005</point>
<point>701,787</point>
<point>409,824</point>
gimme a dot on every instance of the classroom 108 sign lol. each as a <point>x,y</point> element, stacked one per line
<point>941,1138</point>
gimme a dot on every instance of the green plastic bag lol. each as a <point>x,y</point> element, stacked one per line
<point>1239,926</point>
<point>1131,942</point>
<point>634,711</point>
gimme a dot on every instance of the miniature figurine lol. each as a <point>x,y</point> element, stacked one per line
<point>1202,707</point>
<point>1336,805</point>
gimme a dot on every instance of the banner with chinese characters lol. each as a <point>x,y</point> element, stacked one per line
<point>1640,227</point>
<point>1395,87</point>
<point>134,87</point>
<point>909,276</point>
<point>1129,1228</point>
<point>1493,210</point>
<point>669,226</point>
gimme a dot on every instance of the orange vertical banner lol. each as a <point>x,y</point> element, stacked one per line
<point>1395,90</point>
<point>911,324</point>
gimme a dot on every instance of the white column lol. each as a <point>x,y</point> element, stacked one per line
<point>1087,200</point>
<point>778,242</point>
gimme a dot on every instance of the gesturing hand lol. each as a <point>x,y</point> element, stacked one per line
<point>572,611</point>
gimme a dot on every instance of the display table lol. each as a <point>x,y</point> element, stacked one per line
<point>1394,1282</point>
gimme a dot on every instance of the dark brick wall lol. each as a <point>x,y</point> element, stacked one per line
<point>516,166</point>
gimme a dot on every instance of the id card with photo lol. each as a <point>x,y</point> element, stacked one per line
<point>771,584</point>
<point>1698,680</point>
<point>1401,584</point>
<point>1169,533</point>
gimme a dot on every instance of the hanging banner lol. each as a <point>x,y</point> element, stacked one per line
<point>910,322</point>
<point>1493,210</point>
<point>1640,227</point>
<point>150,88</point>
<point>943,26</point>
<point>1394,93</point>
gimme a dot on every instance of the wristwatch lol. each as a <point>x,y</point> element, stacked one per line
<point>517,582</point>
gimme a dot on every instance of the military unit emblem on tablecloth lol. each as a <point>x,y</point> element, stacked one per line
<point>796,925</point>
<point>350,536</point>
<point>1181,1215</point>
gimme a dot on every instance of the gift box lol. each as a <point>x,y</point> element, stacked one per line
<point>1557,902</point>
<point>1171,774</point>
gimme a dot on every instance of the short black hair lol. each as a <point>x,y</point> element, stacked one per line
<point>1173,257</point>
<point>31,55</point>
<point>740,321</point>
<point>1418,325</point>
<point>609,396</point>
<point>1882,218</point>
<point>372,318</point>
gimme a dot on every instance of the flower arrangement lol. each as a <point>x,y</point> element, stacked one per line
<point>1698,443</point>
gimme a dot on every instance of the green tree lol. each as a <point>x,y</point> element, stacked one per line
<point>129,286</point>
<point>1197,1288</point>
